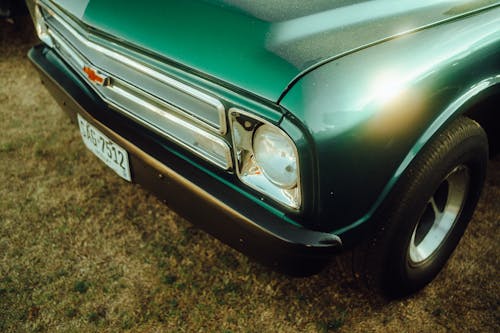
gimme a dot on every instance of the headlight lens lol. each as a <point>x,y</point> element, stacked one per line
<point>275,154</point>
<point>266,158</point>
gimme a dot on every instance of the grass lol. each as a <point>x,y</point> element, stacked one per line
<point>82,250</point>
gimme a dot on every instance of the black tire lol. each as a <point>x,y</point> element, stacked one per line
<point>409,249</point>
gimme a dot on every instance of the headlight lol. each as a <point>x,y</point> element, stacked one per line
<point>266,158</point>
<point>41,27</point>
<point>275,154</point>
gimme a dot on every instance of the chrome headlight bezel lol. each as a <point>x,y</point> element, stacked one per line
<point>243,128</point>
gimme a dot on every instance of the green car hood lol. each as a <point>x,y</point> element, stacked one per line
<point>260,46</point>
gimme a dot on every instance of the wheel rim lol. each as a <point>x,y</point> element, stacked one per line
<point>440,215</point>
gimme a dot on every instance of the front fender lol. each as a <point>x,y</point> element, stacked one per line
<point>370,112</point>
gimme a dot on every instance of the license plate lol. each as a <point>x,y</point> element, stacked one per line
<point>109,152</point>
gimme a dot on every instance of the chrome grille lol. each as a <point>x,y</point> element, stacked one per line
<point>179,112</point>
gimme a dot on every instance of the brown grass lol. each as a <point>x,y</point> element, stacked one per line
<point>82,250</point>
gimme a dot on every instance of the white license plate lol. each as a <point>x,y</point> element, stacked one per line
<point>109,152</point>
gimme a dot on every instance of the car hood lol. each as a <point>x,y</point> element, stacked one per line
<point>260,45</point>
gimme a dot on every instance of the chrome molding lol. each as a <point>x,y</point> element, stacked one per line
<point>248,170</point>
<point>215,103</point>
<point>183,128</point>
<point>67,49</point>
<point>180,131</point>
<point>79,61</point>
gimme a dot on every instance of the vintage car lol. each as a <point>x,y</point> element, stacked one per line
<point>290,130</point>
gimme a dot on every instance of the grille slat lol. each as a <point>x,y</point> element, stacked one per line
<point>181,113</point>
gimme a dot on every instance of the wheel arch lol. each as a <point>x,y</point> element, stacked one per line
<point>477,103</point>
<point>482,110</point>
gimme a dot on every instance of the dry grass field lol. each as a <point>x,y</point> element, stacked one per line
<point>83,251</point>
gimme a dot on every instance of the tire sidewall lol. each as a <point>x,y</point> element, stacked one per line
<point>401,277</point>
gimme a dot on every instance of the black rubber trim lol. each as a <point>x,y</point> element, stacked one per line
<point>205,201</point>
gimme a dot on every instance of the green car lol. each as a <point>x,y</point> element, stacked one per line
<point>291,130</point>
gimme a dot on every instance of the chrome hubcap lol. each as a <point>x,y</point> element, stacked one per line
<point>440,215</point>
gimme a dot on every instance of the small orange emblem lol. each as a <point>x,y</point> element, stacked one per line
<point>95,77</point>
